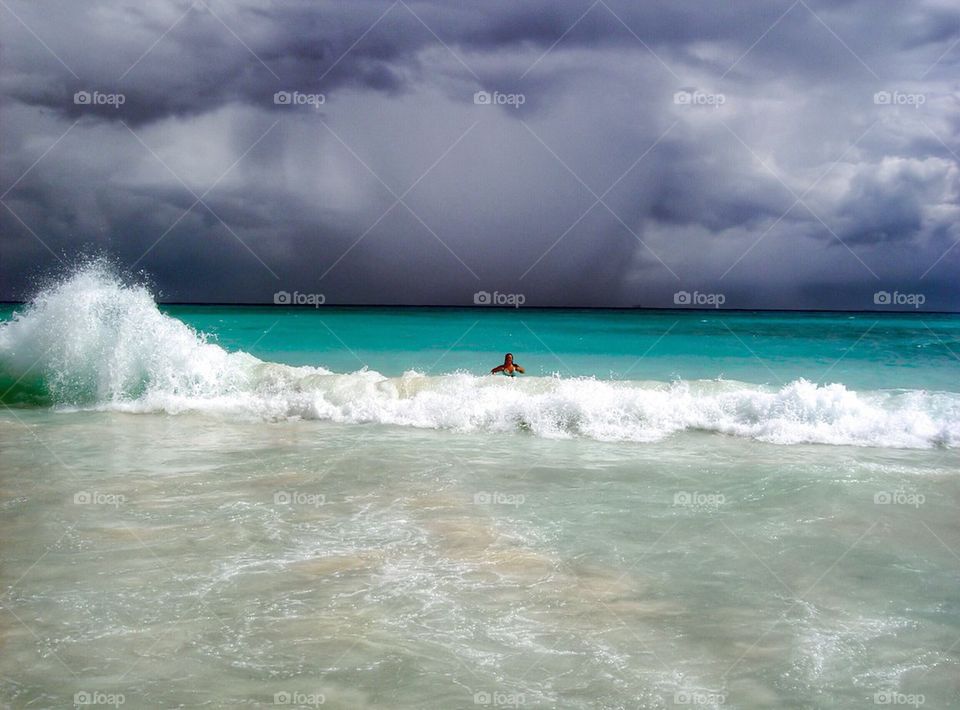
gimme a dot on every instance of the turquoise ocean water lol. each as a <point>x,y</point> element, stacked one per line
<point>861,350</point>
<point>247,507</point>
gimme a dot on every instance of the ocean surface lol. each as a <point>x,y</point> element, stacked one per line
<point>256,507</point>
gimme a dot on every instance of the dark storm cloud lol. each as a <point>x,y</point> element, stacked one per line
<point>199,64</point>
<point>780,181</point>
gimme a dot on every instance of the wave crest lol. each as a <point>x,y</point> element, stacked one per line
<point>92,342</point>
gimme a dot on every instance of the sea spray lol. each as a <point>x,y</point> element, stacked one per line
<point>92,339</point>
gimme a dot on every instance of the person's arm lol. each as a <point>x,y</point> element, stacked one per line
<point>498,368</point>
<point>519,369</point>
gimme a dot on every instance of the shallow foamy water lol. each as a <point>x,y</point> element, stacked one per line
<point>200,562</point>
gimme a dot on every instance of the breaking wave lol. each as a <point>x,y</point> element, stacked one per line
<point>93,342</point>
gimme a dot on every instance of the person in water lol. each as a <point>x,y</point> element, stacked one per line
<point>509,367</point>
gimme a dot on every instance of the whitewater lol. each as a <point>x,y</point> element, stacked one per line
<point>95,342</point>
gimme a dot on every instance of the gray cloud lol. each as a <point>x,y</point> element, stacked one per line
<point>694,195</point>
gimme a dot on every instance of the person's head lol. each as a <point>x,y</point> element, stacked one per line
<point>508,358</point>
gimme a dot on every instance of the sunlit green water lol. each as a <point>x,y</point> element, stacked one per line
<point>863,350</point>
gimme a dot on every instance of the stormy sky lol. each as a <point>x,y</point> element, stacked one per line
<point>783,154</point>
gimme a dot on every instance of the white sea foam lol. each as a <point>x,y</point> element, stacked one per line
<point>93,343</point>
